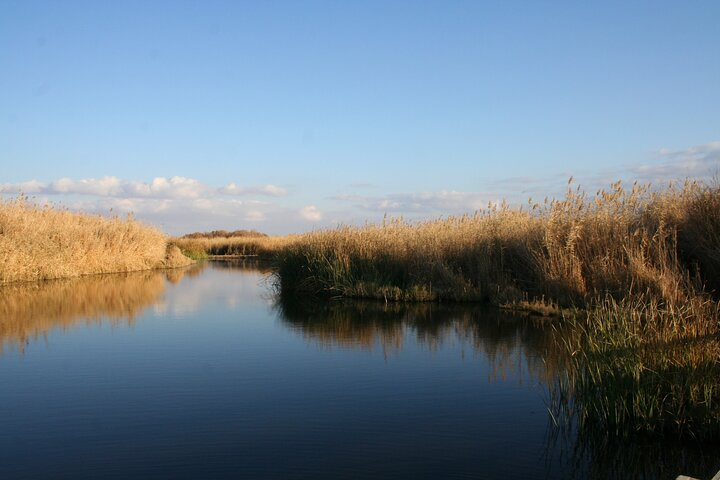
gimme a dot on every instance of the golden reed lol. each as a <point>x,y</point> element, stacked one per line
<point>566,252</point>
<point>44,242</point>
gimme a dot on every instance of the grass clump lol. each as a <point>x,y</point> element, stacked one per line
<point>43,242</point>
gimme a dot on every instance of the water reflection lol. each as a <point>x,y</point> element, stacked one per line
<point>605,457</point>
<point>31,310</point>
<point>248,264</point>
<point>247,385</point>
<point>230,284</point>
<point>175,275</point>
<point>514,345</point>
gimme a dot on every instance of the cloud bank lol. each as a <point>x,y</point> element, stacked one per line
<point>177,204</point>
<point>159,188</point>
<point>700,162</point>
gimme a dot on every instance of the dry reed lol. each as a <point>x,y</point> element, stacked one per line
<point>563,252</point>
<point>198,247</point>
<point>44,242</point>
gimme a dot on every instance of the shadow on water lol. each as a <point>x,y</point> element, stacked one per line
<point>514,346</point>
<point>510,342</point>
<point>31,310</point>
<point>599,456</point>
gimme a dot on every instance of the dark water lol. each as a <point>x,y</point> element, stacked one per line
<point>203,374</point>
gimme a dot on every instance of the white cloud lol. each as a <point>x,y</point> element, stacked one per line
<point>105,186</point>
<point>311,213</point>
<point>423,202</point>
<point>203,204</point>
<point>160,187</point>
<point>273,190</point>
<point>699,162</point>
<point>176,187</point>
<point>175,204</point>
<point>31,186</point>
<point>254,216</point>
<point>233,189</point>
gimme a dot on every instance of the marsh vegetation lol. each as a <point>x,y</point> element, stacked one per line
<point>567,252</point>
<point>39,242</point>
<point>241,243</point>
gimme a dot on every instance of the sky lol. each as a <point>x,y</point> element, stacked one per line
<point>300,115</point>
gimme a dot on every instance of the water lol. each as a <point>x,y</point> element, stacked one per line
<point>201,373</point>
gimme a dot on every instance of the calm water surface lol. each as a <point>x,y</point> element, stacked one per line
<point>201,373</point>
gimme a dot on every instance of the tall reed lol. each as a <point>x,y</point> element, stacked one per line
<point>567,251</point>
<point>44,242</point>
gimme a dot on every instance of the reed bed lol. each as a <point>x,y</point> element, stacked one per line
<point>464,258</point>
<point>198,247</point>
<point>45,242</point>
<point>562,252</point>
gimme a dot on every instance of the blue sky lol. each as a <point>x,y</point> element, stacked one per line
<point>289,116</point>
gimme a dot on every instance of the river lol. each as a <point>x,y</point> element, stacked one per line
<point>204,373</point>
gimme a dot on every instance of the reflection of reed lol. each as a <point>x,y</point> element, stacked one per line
<point>174,275</point>
<point>648,368</point>
<point>522,348</point>
<point>604,457</point>
<point>514,345</point>
<point>31,310</point>
<point>247,264</point>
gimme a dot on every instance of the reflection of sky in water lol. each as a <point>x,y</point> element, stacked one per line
<point>217,287</point>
